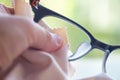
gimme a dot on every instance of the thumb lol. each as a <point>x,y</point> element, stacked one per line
<point>46,40</point>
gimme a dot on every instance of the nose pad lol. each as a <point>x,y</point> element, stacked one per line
<point>81,51</point>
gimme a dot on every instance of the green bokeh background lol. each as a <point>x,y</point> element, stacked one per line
<point>6,2</point>
<point>100,17</point>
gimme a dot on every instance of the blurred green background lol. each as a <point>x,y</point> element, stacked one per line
<point>6,2</point>
<point>100,17</point>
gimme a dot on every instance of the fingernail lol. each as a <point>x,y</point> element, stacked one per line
<point>58,40</point>
<point>55,42</point>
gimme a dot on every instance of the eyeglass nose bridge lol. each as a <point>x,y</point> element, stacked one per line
<point>100,45</point>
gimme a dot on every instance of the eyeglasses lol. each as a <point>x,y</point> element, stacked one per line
<point>88,41</point>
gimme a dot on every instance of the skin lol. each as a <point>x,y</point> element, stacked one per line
<point>19,35</point>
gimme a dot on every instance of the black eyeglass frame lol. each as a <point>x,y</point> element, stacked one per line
<point>41,12</point>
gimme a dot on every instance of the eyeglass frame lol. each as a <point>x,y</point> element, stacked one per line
<point>41,12</point>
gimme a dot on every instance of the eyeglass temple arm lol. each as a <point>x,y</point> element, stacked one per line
<point>41,12</point>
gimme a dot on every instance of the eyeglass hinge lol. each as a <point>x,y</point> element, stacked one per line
<point>34,3</point>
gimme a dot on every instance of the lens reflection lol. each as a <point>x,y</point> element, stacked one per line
<point>89,65</point>
<point>82,50</point>
<point>113,65</point>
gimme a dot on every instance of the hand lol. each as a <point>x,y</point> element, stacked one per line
<point>39,65</point>
<point>18,34</point>
<point>38,62</point>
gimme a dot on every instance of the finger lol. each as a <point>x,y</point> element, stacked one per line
<point>23,8</point>
<point>45,25</point>
<point>45,63</point>
<point>37,57</point>
<point>18,33</point>
<point>46,40</point>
